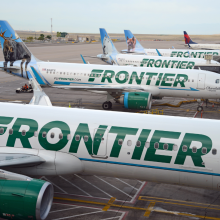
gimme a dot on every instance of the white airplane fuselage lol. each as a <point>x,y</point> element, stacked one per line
<point>160,82</point>
<point>203,46</point>
<point>182,53</point>
<point>175,150</point>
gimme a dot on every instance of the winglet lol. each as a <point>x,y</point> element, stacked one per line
<point>189,54</point>
<point>158,52</point>
<point>83,59</point>
<point>173,47</point>
<point>39,97</point>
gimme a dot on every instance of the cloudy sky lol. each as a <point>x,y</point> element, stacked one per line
<point>140,16</point>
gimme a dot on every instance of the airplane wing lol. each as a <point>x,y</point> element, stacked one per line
<point>19,160</point>
<point>108,88</point>
<point>101,87</point>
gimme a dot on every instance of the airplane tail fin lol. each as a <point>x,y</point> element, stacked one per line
<point>12,46</point>
<point>132,43</point>
<point>107,44</point>
<point>188,40</point>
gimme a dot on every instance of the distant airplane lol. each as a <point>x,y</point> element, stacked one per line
<point>112,56</point>
<point>133,87</point>
<point>184,53</point>
<point>46,140</point>
<point>193,45</point>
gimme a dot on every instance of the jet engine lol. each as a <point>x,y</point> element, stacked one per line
<point>22,197</point>
<point>136,100</point>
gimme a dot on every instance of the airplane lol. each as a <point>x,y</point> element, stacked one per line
<point>45,140</point>
<point>112,56</point>
<point>135,47</point>
<point>193,45</point>
<point>133,87</point>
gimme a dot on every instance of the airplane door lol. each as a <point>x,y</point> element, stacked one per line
<point>100,138</point>
<point>201,81</point>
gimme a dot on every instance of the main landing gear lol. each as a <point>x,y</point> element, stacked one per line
<point>107,105</point>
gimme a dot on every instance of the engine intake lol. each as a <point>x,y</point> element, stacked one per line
<point>22,197</point>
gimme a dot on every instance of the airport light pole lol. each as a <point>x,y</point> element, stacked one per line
<point>51,31</point>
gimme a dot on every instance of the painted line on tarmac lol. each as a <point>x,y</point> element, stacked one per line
<point>149,209</point>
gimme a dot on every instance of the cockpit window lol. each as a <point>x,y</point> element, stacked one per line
<point>217,81</point>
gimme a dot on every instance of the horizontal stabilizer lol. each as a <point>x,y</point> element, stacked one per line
<point>19,160</point>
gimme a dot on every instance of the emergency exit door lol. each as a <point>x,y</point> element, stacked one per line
<point>100,138</point>
<point>201,81</point>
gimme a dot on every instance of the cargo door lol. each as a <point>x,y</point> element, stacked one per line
<point>99,146</point>
<point>201,81</point>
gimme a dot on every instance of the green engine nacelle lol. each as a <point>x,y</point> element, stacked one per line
<point>136,100</point>
<point>25,199</point>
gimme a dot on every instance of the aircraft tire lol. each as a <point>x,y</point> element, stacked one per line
<point>106,105</point>
<point>199,108</point>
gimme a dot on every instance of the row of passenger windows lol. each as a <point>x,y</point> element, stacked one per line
<point>120,141</point>
<point>67,73</point>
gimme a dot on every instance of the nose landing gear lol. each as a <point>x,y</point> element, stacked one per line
<point>107,105</point>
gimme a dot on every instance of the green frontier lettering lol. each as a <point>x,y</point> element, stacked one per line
<point>165,77</point>
<point>108,75</point>
<point>33,126</point>
<point>196,157</point>
<point>124,80</point>
<point>121,133</point>
<point>180,81</point>
<point>135,76</point>
<point>83,132</point>
<point>95,73</point>
<point>65,130</point>
<point>190,65</point>
<point>150,75</point>
<point>166,64</point>
<point>144,61</point>
<point>139,150</point>
<point>158,63</point>
<point>159,79</point>
<point>150,154</point>
<point>5,121</point>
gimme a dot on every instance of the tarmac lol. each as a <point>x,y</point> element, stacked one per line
<point>99,197</point>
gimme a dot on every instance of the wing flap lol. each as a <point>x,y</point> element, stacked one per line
<point>19,160</point>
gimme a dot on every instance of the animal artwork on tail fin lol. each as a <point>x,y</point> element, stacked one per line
<point>131,42</point>
<point>13,51</point>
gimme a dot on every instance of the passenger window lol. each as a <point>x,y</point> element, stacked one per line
<point>1,130</point>
<point>52,135</point>
<point>69,137</point>
<point>156,145</point>
<point>217,81</point>
<point>204,150</point>
<point>10,131</point>
<point>165,146</point>
<point>192,80</point>
<point>175,147</point>
<point>214,151</point>
<point>23,133</point>
<point>60,136</point>
<point>44,134</point>
<point>184,148</point>
<point>188,80</point>
<point>86,138</point>
<point>129,142</point>
<point>77,137</point>
<point>194,149</point>
<point>35,134</point>
<point>147,144</point>
<point>120,142</point>
<point>138,144</point>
